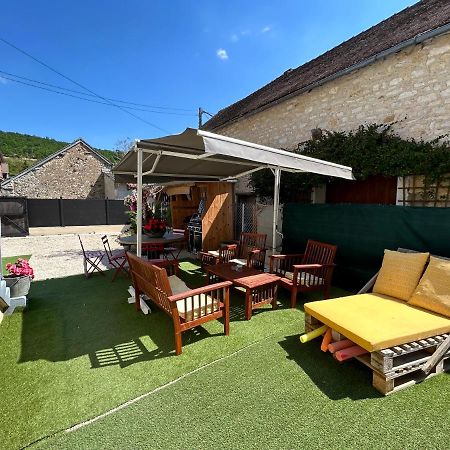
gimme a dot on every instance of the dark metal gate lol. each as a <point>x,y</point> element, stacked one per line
<point>13,212</point>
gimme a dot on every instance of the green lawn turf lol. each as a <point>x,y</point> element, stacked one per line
<point>11,259</point>
<point>80,349</point>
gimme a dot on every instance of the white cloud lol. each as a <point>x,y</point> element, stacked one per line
<point>3,80</point>
<point>245,32</point>
<point>234,37</point>
<point>266,29</point>
<point>222,54</point>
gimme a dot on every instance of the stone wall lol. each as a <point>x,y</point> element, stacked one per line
<point>411,87</point>
<point>77,173</point>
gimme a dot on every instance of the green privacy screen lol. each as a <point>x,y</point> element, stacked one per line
<point>362,232</point>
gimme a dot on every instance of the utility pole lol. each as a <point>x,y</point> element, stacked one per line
<point>200,114</point>
<point>201,111</point>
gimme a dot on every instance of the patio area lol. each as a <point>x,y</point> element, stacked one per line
<point>80,350</point>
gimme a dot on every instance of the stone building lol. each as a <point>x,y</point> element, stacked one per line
<point>397,71</point>
<point>76,171</point>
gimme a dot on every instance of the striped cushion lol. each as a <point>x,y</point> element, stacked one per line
<point>306,279</point>
<point>240,261</point>
<point>193,308</point>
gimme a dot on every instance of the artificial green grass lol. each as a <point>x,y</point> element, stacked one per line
<point>275,395</point>
<point>11,259</point>
<point>80,350</point>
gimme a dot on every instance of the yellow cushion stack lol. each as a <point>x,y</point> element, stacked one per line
<point>400,273</point>
<point>433,291</point>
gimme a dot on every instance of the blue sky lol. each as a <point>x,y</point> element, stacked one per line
<point>177,54</point>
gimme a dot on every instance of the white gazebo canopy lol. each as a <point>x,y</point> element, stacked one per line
<point>197,155</point>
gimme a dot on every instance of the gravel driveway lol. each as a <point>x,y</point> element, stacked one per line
<point>56,256</point>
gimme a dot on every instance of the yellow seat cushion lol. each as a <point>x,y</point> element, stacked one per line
<point>400,274</point>
<point>433,291</point>
<point>376,321</point>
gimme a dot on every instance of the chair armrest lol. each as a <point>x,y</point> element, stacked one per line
<point>203,290</point>
<point>256,251</point>
<point>312,266</point>
<point>256,258</point>
<point>207,259</point>
<point>280,264</point>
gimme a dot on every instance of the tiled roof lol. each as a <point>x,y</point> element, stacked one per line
<point>423,16</point>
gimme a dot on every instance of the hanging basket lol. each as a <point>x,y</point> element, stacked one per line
<point>18,286</point>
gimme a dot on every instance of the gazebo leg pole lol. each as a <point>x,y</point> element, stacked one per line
<point>276,209</point>
<point>139,203</point>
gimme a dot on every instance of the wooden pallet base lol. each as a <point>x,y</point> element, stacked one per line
<point>397,367</point>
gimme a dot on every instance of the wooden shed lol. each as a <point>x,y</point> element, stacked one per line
<point>217,218</point>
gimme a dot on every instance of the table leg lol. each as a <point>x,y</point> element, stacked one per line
<point>274,296</point>
<point>248,304</point>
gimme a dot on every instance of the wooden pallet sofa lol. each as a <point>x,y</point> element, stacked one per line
<point>188,308</point>
<point>399,328</point>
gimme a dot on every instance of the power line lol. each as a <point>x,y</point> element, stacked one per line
<point>81,86</point>
<point>91,100</point>
<point>91,95</point>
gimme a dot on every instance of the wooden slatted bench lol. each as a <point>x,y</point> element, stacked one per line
<point>187,308</point>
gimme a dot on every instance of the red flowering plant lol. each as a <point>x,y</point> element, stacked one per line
<point>20,268</point>
<point>156,226</point>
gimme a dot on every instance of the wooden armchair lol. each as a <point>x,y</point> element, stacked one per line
<point>188,308</point>
<point>252,250</point>
<point>305,272</point>
<point>225,253</point>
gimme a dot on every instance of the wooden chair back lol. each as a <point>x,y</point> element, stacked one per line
<point>107,247</point>
<point>227,252</point>
<point>251,241</point>
<point>82,247</point>
<point>319,253</point>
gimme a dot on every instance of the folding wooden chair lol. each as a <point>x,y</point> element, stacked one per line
<point>91,260</point>
<point>116,261</point>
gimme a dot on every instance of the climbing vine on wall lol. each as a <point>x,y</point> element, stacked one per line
<point>370,150</point>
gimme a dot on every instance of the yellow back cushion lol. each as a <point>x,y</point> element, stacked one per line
<point>400,273</point>
<point>433,292</point>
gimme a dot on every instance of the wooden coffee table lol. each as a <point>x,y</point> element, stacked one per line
<point>260,287</point>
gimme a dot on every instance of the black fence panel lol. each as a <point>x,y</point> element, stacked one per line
<point>67,212</point>
<point>44,212</point>
<point>84,212</point>
<point>13,212</point>
<point>116,212</point>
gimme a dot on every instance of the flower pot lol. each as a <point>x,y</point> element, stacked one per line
<point>18,285</point>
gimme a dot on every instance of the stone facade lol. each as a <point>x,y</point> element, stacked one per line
<point>411,87</point>
<point>76,173</point>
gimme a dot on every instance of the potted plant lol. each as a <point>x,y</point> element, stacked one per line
<point>19,278</point>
